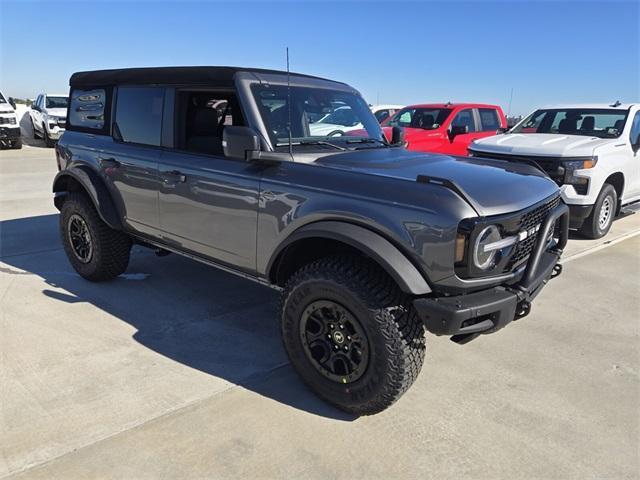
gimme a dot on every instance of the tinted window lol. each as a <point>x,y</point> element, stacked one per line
<point>489,119</point>
<point>591,122</point>
<point>381,115</point>
<point>139,114</point>
<point>87,108</point>
<point>465,118</point>
<point>635,128</point>
<point>57,102</point>
<point>426,118</point>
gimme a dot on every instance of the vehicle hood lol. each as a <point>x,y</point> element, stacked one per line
<point>413,134</point>
<point>58,112</point>
<point>493,187</point>
<point>547,144</point>
<point>6,108</point>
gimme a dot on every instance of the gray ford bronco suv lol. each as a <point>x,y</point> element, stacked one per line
<point>369,243</point>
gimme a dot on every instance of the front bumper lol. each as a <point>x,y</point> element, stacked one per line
<point>469,315</point>
<point>9,133</point>
<point>578,214</point>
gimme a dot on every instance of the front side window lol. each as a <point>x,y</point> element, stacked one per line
<point>2,99</point>
<point>591,122</point>
<point>57,102</point>
<point>139,115</point>
<point>201,118</point>
<point>87,109</point>
<point>425,118</point>
<point>314,114</point>
<point>465,118</point>
<point>635,129</point>
<point>489,119</point>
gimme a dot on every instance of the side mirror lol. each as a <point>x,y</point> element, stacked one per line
<point>397,136</point>
<point>456,130</point>
<point>238,141</point>
<point>12,102</point>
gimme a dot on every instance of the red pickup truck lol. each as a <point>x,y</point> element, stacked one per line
<point>446,127</point>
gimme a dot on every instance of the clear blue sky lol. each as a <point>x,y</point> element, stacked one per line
<point>548,52</point>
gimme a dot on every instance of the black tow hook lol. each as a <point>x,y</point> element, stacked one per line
<point>557,270</point>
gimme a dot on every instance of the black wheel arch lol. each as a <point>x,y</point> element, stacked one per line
<point>329,236</point>
<point>87,180</point>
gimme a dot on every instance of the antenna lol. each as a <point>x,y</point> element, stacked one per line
<point>289,104</point>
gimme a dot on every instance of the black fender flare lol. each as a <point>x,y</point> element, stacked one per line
<point>94,186</point>
<point>372,244</point>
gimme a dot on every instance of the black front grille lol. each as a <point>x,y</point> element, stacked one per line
<point>528,222</point>
<point>8,120</point>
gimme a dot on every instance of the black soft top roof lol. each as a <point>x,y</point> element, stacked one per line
<point>220,76</point>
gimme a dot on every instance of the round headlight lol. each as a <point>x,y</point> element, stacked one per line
<point>485,260</point>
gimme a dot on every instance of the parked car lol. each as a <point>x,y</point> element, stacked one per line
<point>368,243</point>
<point>590,151</point>
<point>336,123</point>
<point>48,117</point>
<point>382,112</point>
<point>446,127</point>
<point>9,125</point>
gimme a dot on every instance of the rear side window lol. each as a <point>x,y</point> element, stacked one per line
<point>139,115</point>
<point>489,119</point>
<point>87,110</point>
<point>465,118</point>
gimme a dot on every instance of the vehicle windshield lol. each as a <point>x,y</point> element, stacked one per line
<point>426,118</point>
<point>319,116</point>
<point>2,99</point>
<point>57,102</point>
<point>590,122</point>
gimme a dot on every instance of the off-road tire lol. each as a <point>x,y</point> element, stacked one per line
<point>592,228</point>
<point>111,248</point>
<point>17,144</point>
<point>33,128</point>
<point>395,333</point>
<point>45,136</point>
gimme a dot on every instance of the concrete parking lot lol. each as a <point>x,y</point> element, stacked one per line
<point>176,370</point>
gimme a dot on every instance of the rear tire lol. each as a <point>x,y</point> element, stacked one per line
<point>378,328</point>
<point>96,251</point>
<point>598,224</point>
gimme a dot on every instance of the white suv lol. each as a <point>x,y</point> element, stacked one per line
<point>591,151</point>
<point>48,117</point>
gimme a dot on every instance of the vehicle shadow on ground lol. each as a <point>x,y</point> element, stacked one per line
<point>204,318</point>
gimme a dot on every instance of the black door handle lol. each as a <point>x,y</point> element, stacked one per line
<point>180,177</point>
<point>109,162</point>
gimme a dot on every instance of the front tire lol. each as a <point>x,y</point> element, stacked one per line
<point>33,128</point>
<point>598,224</point>
<point>45,136</point>
<point>96,251</point>
<point>351,334</point>
<point>17,144</point>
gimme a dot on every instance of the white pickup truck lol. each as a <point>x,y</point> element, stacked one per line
<point>9,125</point>
<point>48,117</point>
<point>591,151</point>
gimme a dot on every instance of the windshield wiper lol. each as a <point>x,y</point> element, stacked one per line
<point>368,140</point>
<point>312,142</point>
